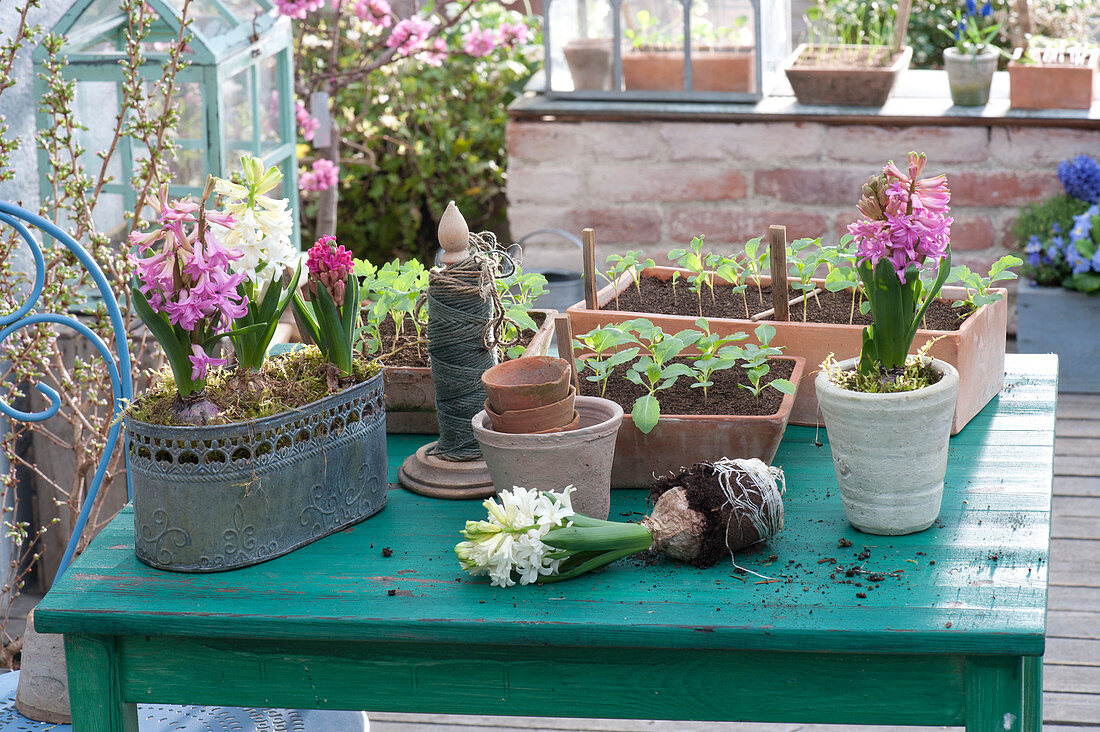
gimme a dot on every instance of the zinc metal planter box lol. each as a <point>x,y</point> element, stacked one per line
<point>1057,320</point>
<point>410,391</point>
<point>207,499</point>
<point>977,349</point>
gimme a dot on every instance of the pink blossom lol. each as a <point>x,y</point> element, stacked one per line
<point>513,34</point>
<point>330,265</point>
<point>307,124</point>
<point>409,35</point>
<point>477,42</point>
<point>324,175</point>
<point>201,362</point>
<point>298,8</point>
<point>907,221</point>
<point>438,54</point>
<point>377,13</point>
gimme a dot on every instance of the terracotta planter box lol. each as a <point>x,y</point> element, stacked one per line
<point>681,440</point>
<point>410,391</point>
<point>977,349</point>
<point>722,71</point>
<point>836,83</point>
<point>1052,86</point>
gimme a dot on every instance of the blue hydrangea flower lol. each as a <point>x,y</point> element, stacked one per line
<point>1080,178</point>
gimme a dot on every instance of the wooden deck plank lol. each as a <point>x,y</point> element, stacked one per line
<point>1070,485</point>
<point>1077,446</point>
<point>1077,507</point>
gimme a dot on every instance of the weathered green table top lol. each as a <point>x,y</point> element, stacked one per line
<point>975,583</point>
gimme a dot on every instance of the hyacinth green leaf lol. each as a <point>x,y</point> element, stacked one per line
<point>247,330</point>
<point>783,385</point>
<point>350,317</point>
<point>646,413</point>
<point>170,340</point>
<point>933,291</point>
<point>603,538</point>
<point>308,319</point>
<point>331,330</point>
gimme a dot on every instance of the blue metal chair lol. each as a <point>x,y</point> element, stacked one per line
<point>151,716</point>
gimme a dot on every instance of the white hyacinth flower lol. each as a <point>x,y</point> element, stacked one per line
<point>262,225</point>
<point>509,543</point>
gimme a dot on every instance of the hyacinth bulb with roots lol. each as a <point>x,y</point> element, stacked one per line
<point>700,515</point>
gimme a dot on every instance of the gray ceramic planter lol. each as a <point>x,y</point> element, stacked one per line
<point>212,498</point>
<point>1057,320</point>
<point>969,76</point>
<point>890,450</point>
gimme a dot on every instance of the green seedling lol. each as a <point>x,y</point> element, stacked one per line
<point>757,257</point>
<point>656,371</point>
<point>842,273</point>
<point>710,359</point>
<point>754,359</point>
<point>693,260</point>
<point>518,292</point>
<point>978,288</point>
<point>608,339</point>
<point>804,256</point>
<point>731,270</point>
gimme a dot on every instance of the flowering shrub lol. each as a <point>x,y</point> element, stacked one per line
<point>906,228</point>
<point>1060,236</point>
<point>429,131</point>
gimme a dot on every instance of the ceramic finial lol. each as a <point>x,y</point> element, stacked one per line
<point>454,235</point>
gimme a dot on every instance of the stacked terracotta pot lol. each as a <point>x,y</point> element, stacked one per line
<point>531,396</point>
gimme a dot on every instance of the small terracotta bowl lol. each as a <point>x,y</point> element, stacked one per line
<point>526,383</point>
<point>532,421</point>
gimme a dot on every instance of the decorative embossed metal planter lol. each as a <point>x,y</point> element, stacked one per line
<point>213,498</point>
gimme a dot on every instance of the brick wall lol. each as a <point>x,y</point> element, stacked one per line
<point>652,185</point>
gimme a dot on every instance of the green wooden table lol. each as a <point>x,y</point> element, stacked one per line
<point>952,633</point>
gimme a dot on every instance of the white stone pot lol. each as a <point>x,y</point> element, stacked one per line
<point>969,76</point>
<point>581,457</point>
<point>890,450</point>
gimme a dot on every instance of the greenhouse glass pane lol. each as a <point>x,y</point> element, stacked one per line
<point>268,90</point>
<point>243,9</point>
<point>237,120</point>
<point>109,216</point>
<point>208,20</point>
<point>97,11</point>
<point>96,106</point>
<point>188,99</point>
<point>187,168</point>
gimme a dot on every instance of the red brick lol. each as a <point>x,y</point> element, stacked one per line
<point>757,141</point>
<point>623,140</point>
<point>732,226</point>
<point>665,183</point>
<point>877,145</point>
<point>539,184</point>
<point>1040,147</point>
<point>1002,188</point>
<point>617,225</point>
<point>971,232</point>
<point>536,142</point>
<point>837,186</point>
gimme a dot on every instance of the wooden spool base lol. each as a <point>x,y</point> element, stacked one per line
<point>432,476</point>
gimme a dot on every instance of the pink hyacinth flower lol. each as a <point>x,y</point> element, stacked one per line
<point>329,264</point>
<point>201,362</point>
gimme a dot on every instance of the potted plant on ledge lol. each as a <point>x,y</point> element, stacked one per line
<point>970,63</point>
<point>858,60</point>
<point>1058,305</point>
<point>1052,74</point>
<point>888,414</point>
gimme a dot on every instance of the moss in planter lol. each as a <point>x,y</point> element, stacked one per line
<point>917,374</point>
<point>288,381</point>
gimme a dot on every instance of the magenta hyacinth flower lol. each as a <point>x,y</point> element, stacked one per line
<point>329,264</point>
<point>201,362</point>
<point>906,218</point>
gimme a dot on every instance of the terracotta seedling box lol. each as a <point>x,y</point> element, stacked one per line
<point>977,349</point>
<point>410,391</point>
<point>681,440</point>
<point>1052,86</point>
<point>840,83</point>
<point>728,70</point>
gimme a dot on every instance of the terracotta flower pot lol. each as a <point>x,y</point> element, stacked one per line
<point>720,70</point>
<point>526,383</point>
<point>976,350</point>
<point>580,457</point>
<point>890,450</point>
<point>531,421</point>
<point>410,390</point>
<point>1051,85</point>
<point>833,75</point>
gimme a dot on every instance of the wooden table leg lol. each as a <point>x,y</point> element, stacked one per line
<point>95,685</point>
<point>1004,693</point>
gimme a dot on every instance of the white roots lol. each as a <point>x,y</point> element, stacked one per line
<point>753,490</point>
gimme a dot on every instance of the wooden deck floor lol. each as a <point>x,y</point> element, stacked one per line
<point>1071,670</point>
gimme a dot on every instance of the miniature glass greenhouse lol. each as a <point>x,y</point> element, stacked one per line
<point>235,96</point>
<point>688,50</point>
